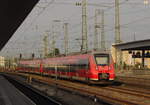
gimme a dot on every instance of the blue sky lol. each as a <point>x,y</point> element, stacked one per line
<point>134,20</point>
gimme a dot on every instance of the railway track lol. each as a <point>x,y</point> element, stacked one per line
<point>113,95</point>
<point>129,91</point>
<point>135,81</point>
<point>37,97</point>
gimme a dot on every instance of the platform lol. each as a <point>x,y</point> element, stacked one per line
<point>145,74</point>
<point>9,95</point>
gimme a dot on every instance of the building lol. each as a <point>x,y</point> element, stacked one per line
<point>134,54</point>
<point>2,61</point>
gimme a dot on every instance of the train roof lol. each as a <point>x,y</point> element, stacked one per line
<point>88,52</point>
<point>73,54</point>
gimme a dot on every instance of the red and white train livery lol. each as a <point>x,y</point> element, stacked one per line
<point>85,67</point>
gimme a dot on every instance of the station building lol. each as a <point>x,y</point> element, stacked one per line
<point>132,55</point>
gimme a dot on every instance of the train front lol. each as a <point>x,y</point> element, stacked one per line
<point>102,67</point>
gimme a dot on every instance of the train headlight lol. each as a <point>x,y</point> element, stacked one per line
<point>96,68</point>
<point>110,68</point>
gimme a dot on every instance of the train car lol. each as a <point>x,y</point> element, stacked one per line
<point>34,66</point>
<point>94,66</point>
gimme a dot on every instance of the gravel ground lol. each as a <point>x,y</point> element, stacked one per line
<point>64,96</point>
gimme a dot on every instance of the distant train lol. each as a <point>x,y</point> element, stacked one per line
<point>94,66</point>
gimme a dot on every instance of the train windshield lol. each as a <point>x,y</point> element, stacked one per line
<point>102,60</point>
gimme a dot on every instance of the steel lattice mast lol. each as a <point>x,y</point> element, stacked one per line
<point>103,44</point>
<point>97,27</point>
<point>84,26</point>
<point>117,22</point>
<point>66,38</point>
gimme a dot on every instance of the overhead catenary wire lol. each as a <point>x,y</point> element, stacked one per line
<point>111,28</point>
<point>25,30</point>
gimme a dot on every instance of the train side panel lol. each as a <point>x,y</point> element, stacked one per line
<point>83,67</point>
<point>74,67</point>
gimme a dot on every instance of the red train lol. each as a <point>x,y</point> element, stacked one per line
<point>85,67</point>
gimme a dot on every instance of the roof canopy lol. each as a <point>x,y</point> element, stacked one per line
<point>13,13</point>
<point>134,45</point>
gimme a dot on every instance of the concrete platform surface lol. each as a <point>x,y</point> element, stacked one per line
<point>9,95</point>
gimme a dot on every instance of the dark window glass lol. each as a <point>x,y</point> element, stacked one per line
<point>102,60</point>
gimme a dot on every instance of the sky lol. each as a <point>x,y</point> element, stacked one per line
<point>28,38</point>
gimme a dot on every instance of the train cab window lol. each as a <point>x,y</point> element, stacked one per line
<point>102,60</point>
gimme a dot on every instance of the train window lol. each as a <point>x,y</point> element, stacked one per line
<point>102,60</point>
<point>83,63</point>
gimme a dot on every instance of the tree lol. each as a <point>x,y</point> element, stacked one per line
<point>54,53</point>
